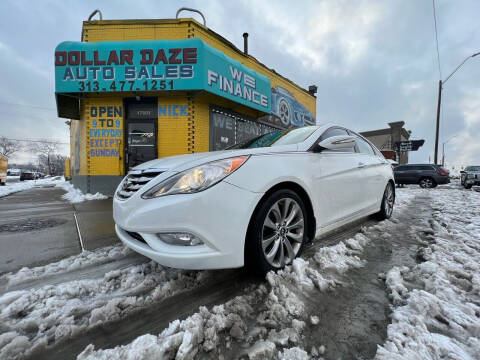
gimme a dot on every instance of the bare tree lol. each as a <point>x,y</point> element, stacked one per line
<point>47,151</point>
<point>9,147</point>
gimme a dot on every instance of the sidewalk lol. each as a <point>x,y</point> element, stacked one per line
<point>37,226</point>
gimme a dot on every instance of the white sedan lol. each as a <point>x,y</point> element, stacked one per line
<point>257,203</point>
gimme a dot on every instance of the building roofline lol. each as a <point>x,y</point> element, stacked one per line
<point>376,132</point>
<point>191,20</point>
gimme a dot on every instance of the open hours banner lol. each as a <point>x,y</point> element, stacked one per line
<point>157,65</point>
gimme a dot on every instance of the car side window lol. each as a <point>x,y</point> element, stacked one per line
<point>336,132</point>
<point>426,167</point>
<point>400,168</point>
<point>364,147</point>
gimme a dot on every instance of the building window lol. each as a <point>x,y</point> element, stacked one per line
<point>228,128</point>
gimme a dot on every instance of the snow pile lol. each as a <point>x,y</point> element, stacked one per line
<point>11,188</point>
<point>265,319</point>
<point>437,303</point>
<point>86,258</point>
<point>75,195</point>
<point>267,322</point>
<point>35,318</point>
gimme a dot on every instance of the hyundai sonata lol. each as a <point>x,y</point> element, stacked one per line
<point>257,203</point>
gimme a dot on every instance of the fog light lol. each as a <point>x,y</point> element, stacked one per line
<point>182,239</point>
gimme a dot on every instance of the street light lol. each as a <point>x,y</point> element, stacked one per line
<point>443,149</point>
<point>440,86</point>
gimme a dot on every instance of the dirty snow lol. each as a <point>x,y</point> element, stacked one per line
<point>37,317</point>
<point>268,320</point>
<point>75,195</point>
<point>11,188</point>
<point>75,262</point>
<point>437,303</point>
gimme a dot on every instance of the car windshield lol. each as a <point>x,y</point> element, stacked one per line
<point>277,137</point>
<point>473,168</point>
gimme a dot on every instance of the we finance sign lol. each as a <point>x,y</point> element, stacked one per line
<point>157,65</point>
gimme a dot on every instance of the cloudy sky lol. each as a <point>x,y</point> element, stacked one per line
<point>374,62</point>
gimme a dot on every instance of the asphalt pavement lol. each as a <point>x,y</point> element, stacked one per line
<point>37,226</point>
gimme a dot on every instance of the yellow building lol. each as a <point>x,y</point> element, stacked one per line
<point>141,89</point>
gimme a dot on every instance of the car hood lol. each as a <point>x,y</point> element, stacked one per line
<point>187,161</point>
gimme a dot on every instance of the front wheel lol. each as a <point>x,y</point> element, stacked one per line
<point>277,233</point>
<point>468,186</point>
<point>388,201</point>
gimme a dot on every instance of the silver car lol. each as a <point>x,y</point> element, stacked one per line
<point>470,176</point>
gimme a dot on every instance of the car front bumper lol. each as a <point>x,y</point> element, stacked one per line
<point>473,182</point>
<point>218,216</point>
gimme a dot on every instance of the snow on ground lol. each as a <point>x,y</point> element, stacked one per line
<point>84,259</point>
<point>10,188</point>
<point>30,319</point>
<point>75,195</point>
<point>437,303</point>
<point>268,320</point>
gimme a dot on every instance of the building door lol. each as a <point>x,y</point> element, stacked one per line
<point>141,131</point>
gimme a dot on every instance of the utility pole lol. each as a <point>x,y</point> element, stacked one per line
<point>438,120</point>
<point>440,87</point>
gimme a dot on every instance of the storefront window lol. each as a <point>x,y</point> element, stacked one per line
<point>228,128</point>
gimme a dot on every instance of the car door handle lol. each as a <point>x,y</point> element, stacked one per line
<point>361,165</point>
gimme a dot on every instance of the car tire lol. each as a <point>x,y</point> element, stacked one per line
<point>388,201</point>
<point>427,183</point>
<point>468,186</point>
<point>277,232</point>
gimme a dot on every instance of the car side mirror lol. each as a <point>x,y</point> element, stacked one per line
<point>462,172</point>
<point>336,143</point>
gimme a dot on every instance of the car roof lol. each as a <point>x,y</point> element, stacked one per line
<point>420,164</point>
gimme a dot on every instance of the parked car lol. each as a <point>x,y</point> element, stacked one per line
<point>425,175</point>
<point>470,176</point>
<point>257,203</point>
<point>27,175</point>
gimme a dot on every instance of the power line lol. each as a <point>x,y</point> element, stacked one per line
<point>436,38</point>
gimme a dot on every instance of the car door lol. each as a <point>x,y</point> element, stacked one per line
<point>335,177</point>
<point>400,174</point>
<point>413,174</point>
<point>372,177</point>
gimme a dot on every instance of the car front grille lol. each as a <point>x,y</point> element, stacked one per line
<point>135,180</point>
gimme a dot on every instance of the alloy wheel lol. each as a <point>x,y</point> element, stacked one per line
<point>282,232</point>
<point>389,200</point>
<point>426,183</point>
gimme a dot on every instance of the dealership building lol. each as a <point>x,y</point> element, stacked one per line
<point>135,90</point>
<point>385,140</point>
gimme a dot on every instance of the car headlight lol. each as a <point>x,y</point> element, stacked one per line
<point>196,179</point>
<point>470,176</point>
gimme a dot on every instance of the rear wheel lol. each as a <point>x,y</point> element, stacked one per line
<point>427,183</point>
<point>277,233</point>
<point>388,201</point>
